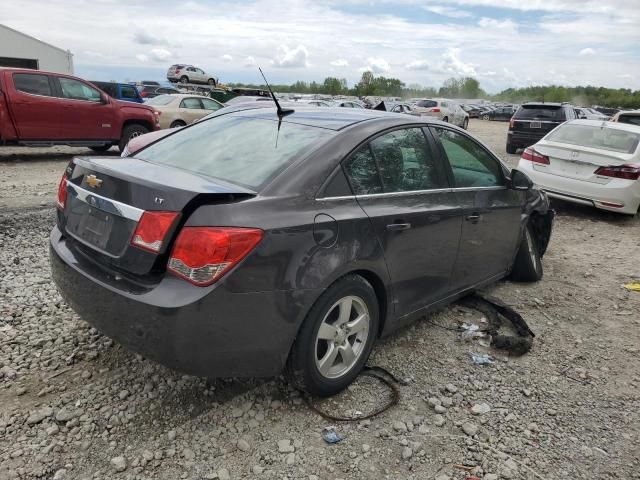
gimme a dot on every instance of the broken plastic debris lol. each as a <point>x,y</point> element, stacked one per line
<point>470,332</point>
<point>633,286</point>
<point>330,435</point>
<point>484,359</point>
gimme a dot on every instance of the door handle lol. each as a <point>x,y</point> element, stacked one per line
<point>396,227</point>
<point>473,218</point>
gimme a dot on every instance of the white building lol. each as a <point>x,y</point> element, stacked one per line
<point>19,50</point>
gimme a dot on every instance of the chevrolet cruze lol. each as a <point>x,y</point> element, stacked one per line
<point>251,242</point>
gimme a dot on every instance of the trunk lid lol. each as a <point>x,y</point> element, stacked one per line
<point>106,197</point>
<point>577,162</point>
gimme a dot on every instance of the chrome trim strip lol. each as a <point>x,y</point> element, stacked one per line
<point>414,192</point>
<point>105,204</point>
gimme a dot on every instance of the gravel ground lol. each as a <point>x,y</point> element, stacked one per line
<point>75,405</point>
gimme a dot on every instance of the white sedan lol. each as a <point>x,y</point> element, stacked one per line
<point>588,162</point>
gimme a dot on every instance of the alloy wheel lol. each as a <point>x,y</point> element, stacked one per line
<point>342,336</point>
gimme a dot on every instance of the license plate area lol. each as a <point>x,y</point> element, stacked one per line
<point>535,125</point>
<point>104,231</point>
<point>95,227</point>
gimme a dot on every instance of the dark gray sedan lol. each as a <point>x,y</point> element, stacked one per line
<point>245,243</point>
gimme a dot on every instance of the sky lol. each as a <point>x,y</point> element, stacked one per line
<point>502,43</point>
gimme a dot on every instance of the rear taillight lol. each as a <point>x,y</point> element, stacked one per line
<point>178,71</point>
<point>143,93</point>
<point>202,255</point>
<point>531,155</point>
<point>62,192</point>
<point>435,110</point>
<point>152,230</point>
<point>630,171</point>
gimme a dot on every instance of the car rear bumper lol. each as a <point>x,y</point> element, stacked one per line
<point>522,139</point>
<point>210,332</point>
<point>604,196</point>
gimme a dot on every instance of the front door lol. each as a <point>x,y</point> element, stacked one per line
<point>85,115</point>
<point>403,188</point>
<point>490,211</point>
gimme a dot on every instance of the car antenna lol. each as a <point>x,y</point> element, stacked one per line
<point>282,112</point>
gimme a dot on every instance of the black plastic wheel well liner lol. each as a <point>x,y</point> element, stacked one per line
<point>541,225</point>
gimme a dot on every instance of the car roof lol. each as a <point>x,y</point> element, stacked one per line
<point>325,117</point>
<point>629,127</point>
<point>544,104</point>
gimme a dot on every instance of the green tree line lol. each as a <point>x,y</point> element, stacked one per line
<point>464,87</point>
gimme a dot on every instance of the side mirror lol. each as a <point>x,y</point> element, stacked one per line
<point>520,181</point>
<point>103,99</point>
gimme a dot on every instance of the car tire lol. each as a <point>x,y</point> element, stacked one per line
<point>317,364</point>
<point>465,124</point>
<point>511,148</point>
<point>527,266</point>
<point>211,81</point>
<point>129,132</point>
<point>101,148</point>
<point>177,123</point>
<point>184,79</point>
<point>485,117</point>
<point>445,119</point>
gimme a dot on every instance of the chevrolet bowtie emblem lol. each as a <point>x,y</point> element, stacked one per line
<point>93,181</point>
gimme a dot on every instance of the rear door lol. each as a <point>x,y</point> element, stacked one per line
<point>402,186</point>
<point>85,116</point>
<point>191,109</point>
<point>490,211</point>
<point>35,107</point>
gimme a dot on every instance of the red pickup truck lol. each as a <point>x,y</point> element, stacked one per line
<point>42,109</point>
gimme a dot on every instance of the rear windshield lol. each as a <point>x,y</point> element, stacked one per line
<point>632,119</point>
<point>160,100</point>
<point>541,112</point>
<point>604,138</point>
<point>427,104</point>
<point>236,149</point>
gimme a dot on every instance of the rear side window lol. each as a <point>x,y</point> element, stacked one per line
<point>541,112</point>
<point>405,161</point>
<point>362,171</point>
<point>128,91</point>
<point>210,104</point>
<point>192,103</point>
<point>471,165</point>
<point>109,88</point>
<point>34,84</point>
<point>612,139</point>
<point>632,119</point>
<point>236,149</point>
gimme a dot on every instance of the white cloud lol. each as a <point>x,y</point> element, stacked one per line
<point>227,58</point>
<point>418,65</point>
<point>341,62</point>
<point>452,64</point>
<point>376,65</point>
<point>587,51</point>
<point>142,57</point>
<point>159,54</point>
<point>489,23</point>
<point>291,58</point>
<point>447,11</point>
<point>249,61</point>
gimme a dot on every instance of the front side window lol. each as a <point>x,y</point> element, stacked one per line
<point>471,164</point>
<point>210,104</point>
<point>76,90</point>
<point>235,149</point>
<point>34,84</point>
<point>405,161</point>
